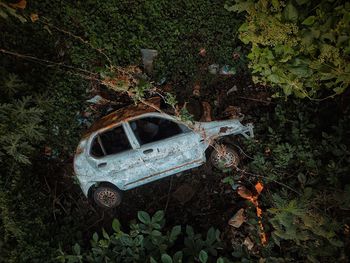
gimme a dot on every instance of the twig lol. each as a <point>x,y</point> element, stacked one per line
<point>262,101</point>
<point>261,176</point>
<point>47,62</point>
<point>99,50</point>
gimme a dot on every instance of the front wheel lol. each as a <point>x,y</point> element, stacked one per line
<point>223,157</point>
<point>106,196</point>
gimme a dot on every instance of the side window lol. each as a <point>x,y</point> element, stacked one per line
<point>151,129</point>
<point>110,142</point>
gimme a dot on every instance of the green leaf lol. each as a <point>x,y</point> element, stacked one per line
<point>189,231</point>
<point>175,231</point>
<point>220,260</point>
<point>276,3</point>
<point>152,260</point>
<point>177,258</point>
<point>158,216</point>
<point>3,14</point>
<point>156,233</point>
<point>309,21</point>
<point>203,256</point>
<point>290,13</point>
<point>166,259</point>
<point>104,234</point>
<point>302,2</point>
<point>116,225</point>
<point>302,178</point>
<point>95,237</point>
<point>144,217</point>
<point>76,249</point>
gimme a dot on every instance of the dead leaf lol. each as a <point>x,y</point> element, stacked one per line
<point>233,112</point>
<point>206,116</point>
<point>202,52</point>
<point>236,55</point>
<point>259,187</point>
<point>184,193</point>
<point>47,151</point>
<point>245,193</point>
<point>34,17</point>
<point>21,4</point>
<point>238,219</point>
<point>248,243</point>
<point>197,89</point>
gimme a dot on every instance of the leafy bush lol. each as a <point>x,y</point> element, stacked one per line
<point>303,157</point>
<point>300,46</point>
<point>146,242</point>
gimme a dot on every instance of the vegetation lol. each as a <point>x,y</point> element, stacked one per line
<point>301,47</point>
<point>57,54</point>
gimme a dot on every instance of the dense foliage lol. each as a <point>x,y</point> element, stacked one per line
<point>302,47</point>
<point>146,243</point>
<point>301,152</point>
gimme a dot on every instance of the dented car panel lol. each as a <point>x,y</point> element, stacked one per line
<point>137,145</point>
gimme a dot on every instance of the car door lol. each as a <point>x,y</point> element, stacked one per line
<point>165,144</point>
<point>115,158</point>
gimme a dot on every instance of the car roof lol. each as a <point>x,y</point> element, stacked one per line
<point>123,114</point>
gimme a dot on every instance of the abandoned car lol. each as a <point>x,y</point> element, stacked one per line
<point>137,144</point>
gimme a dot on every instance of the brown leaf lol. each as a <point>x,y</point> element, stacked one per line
<point>259,187</point>
<point>34,17</point>
<point>245,193</point>
<point>21,4</point>
<point>238,219</point>
<point>206,116</point>
<point>202,52</point>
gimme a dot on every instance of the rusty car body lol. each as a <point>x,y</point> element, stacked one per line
<point>137,144</point>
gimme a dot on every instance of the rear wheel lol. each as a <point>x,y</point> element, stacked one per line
<point>107,196</point>
<point>223,157</point>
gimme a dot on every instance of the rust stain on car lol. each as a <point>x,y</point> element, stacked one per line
<point>124,114</point>
<point>224,129</point>
<point>79,150</point>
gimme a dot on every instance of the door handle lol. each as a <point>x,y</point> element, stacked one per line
<point>148,151</point>
<point>100,165</point>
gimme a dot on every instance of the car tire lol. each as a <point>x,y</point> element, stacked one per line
<point>228,158</point>
<point>107,196</point>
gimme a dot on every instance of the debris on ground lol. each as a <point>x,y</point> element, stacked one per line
<point>98,100</point>
<point>238,219</point>
<point>247,194</point>
<point>184,193</point>
<point>202,52</point>
<point>227,70</point>
<point>213,69</point>
<point>206,116</point>
<point>148,55</point>
<point>233,89</point>
<point>232,112</point>
<point>248,243</point>
<point>196,89</point>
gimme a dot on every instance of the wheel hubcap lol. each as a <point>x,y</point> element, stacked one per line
<point>107,197</point>
<point>226,160</point>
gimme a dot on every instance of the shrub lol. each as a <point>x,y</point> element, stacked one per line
<point>147,242</point>
<point>302,47</point>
